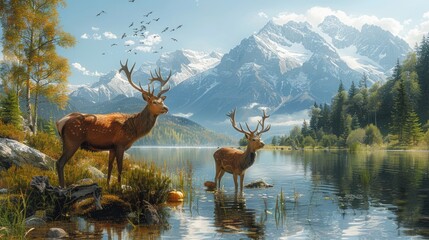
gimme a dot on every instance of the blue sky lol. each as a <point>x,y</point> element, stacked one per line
<point>208,25</point>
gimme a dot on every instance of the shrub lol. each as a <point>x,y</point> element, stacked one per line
<point>356,137</point>
<point>12,132</point>
<point>373,135</point>
<point>309,141</point>
<point>329,140</point>
<point>146,182</point>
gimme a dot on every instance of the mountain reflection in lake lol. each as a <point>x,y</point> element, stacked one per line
<point>327,195</point>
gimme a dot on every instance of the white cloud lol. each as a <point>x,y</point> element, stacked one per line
<point>129,42</point>
<point>110,35</point>
<point>95,28</point>
<point>263,15</point>
<point>289,120</point>
<point>152,39</point>
<point>143,49</point>
<point>84,36</point>
<point>96,36</point>
<point>316,15</point>
<point>184,115</point>
<point>415,35</point>
<point>84,71</point>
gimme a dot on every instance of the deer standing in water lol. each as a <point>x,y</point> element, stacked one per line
<point>235,161</point>
<point>114,132</point>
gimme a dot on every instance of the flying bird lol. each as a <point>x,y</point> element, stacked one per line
<point>114,44</point>
<point>172,30</point>
<point>165,29</point>
<point>156,19</point>
<point>98,14</point>
<point>131,24</point>
<point>131,0</point>
<point>129,50</point>
<point>147,15</point>
<point>124,36</point>
<point>174,39</point>
<point>179,26</point>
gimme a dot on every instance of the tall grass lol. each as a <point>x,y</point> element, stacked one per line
<point>12,216</point>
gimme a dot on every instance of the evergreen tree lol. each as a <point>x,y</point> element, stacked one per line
<point>325,118</point>
<point>338,113</point>
<point>422,69</point>
<point>405,122</point>
<point>9,111</point>
<point>305,130</point>
<point>315,114</point>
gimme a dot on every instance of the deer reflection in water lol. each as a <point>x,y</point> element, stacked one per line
<point>231,216</point>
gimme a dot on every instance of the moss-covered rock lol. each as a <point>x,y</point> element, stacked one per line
<point>114,208</point>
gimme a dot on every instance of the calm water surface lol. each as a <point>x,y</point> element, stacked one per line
<point>328,195</point>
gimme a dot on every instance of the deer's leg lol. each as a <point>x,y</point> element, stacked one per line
<point>112,156</point>
<point>119,158</point>
<point>241,182</point>
<point>219,177</point>
<point>68,151</point>
<point>235,181</point>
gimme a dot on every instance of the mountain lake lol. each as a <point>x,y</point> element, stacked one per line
<point>315,195</point>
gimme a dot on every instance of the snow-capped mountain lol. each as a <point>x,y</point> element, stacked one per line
<point>282,68</point>
<point>182,63</point>
<point>285,68</point>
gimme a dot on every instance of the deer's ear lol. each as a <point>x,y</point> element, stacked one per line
<point>247,136</point>
<point>145,97</point>
<point>163,98</point>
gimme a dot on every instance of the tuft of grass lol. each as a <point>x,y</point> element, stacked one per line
<point>146,182</point>
<point>12,216</point>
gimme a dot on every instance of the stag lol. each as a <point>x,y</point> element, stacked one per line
<point>114,132</point>
<point>235,161</point>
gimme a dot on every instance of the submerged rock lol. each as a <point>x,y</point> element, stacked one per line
<point>258,184</point>
<point>57,233</point>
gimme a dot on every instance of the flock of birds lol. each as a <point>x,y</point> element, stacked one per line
<point>139,29</point>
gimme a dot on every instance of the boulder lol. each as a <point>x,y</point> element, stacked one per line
<point>14,153</point>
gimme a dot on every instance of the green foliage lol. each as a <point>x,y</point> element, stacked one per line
<point>146,182</point>
<point>243,142</point>
<point>9,110</point>
<point>309,141</point>
<point>356,137</point>
<point>373,135</point>
<point>329,140</point>
<point>12,216</point>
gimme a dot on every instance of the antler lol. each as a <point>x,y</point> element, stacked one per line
<point>231,115</point>
<point>158,77</point>
<point>262,123</point>
<point>128,75</point>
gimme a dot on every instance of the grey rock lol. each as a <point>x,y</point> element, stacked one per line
<point>14,153</point>
<point>258,184</point>
<point>57,233</point>
<point>96,173</point>
<point>34,221</point>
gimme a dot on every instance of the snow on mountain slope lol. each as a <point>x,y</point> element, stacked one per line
<point>182,63</point>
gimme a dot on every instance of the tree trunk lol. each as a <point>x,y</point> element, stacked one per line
<point>28,99</point>
<point>35,118</point>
